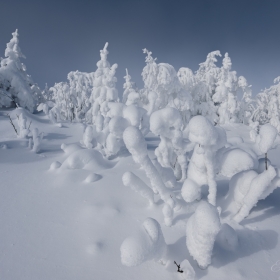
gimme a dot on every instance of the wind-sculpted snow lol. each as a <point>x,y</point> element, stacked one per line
<point>87,159</point>
<point>149,244</point>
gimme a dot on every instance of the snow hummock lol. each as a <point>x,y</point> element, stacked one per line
<point>148,244</point>
<point>88,159</point>
<point>202,229</point>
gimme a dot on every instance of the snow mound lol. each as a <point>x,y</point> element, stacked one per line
<point>55,165</point>
<point>202,228</point>
<point>88,159</point>
<point>148,244</point>
<point>234,161</point>
<point>93,177</point>
<point>70,148</point>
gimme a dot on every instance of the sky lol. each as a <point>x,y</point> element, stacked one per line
<point>59,36</point>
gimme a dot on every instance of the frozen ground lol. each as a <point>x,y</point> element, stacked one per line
<point>54,225</point>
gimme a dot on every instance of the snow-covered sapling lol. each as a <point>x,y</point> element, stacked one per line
<point>202,167</point>
<point>171,152</point>
<point>22,124</point>
<point>135,183</point>
<point>202,228</point>
<point>265,139</point>
<point>88,137</point>
<point>37,138</point>
<point>167,211</point>
<point>149,244</point>
<point>136,145</point>
<point>258,187</point>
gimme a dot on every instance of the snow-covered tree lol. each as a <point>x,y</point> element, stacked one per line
<point>225,93</point>
<point>16,86</point>
<point>267,106</point>
<point>208,139</point>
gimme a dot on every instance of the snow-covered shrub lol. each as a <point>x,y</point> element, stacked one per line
<point>136,145</point>
<point>258,186</point>
<point>129,179</point>
<point>265,139</point>
<point>202,229</point>
<point>171,152</point>
<point>167,212</point>
<point>23,126</point>
<point>149,244</point>
<point>16,86</point>
<point>208,140</point>
<point>89,140</point>
<point>234,160</point>
<point>37,139</point>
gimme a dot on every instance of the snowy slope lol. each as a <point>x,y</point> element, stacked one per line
<point>56,226</point>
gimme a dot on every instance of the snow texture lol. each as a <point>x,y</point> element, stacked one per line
<point>147,245</point>
<point>202,229</point>
<point>135,183</point>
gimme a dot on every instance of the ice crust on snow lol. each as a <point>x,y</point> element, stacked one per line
<point>202,229</point>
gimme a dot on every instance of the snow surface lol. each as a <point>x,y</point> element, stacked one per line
<point>59,222</point>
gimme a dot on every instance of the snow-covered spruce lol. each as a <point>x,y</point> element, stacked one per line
<point>16,86</point>
<point>202,229</point>
<point>129,179</point>
<point>136,144</point>
<point>149,244</point>
<point>208,140</point>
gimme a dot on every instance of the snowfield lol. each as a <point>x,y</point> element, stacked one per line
<point>179,180</point>
<point>70,222</point>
